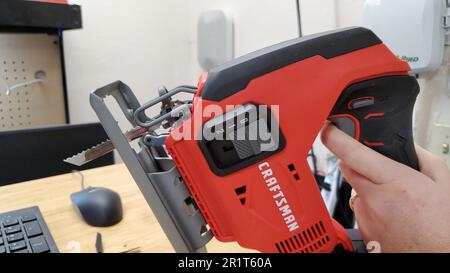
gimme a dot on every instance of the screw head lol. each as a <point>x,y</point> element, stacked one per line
<point>445,148</point>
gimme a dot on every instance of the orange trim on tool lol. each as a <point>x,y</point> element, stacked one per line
<point>374,115</point>
<point>374,144</point>
<point>202,82</point>
<point>355,120</point>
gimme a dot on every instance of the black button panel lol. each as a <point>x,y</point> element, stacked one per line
<point>240,137</point>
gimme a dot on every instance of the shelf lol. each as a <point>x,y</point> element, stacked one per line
<point>30,16</point>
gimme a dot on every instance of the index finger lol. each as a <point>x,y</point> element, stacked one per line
<point>375,166</point>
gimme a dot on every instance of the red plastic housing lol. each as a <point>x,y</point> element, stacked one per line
<point>306,92</point>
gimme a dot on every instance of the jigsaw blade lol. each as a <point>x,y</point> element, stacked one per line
<point>91,154</point>
<point>103,148</point>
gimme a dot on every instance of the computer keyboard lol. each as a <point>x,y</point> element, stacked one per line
<point>25,231</point>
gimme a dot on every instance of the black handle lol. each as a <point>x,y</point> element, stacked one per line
<point>378,113</point>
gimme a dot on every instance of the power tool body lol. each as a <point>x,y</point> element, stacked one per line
<point>234,162</point>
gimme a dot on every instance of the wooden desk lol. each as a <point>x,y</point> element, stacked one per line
<point>138,228</point>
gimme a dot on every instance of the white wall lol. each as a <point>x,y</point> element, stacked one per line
<point>324,15</point>
<point>258,23</point>
<point>153,42</point>
<point>143,43</point>
<point>349,13</point>
<point>150,43</point>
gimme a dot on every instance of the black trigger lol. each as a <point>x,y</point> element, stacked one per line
<point>346,124</point>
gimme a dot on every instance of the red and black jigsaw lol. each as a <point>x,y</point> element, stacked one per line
<point>234,162</point>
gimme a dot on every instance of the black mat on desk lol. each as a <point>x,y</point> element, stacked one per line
<point>36,153</point>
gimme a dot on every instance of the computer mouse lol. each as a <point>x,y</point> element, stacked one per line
<point>99,207</point>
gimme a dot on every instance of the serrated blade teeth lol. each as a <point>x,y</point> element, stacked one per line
<point>91,154</point>
<point>103,148</point>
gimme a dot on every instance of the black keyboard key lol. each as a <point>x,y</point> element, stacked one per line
<point>2,249</point>
<point>10,220</point>
<point>33,229</point>
<point>27,217</point>
<point>39,245</point>
<point>23,251</point>
<point>17,246</point>
<point>14,237</point>
<point>12,229</point>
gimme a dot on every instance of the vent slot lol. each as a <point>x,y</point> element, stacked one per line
<point>241,193</point>
<point>191,187</point>
<point>291,167</point>
<point>190,205</point>
<point>309,240</point>
<point>242,190</point>
<point>294,172</point>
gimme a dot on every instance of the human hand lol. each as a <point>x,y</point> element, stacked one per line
<point>402,209</point>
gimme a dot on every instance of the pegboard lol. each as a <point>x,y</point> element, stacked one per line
<point>35,105</point>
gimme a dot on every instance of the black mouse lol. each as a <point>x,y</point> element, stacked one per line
<point>99,207</point>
